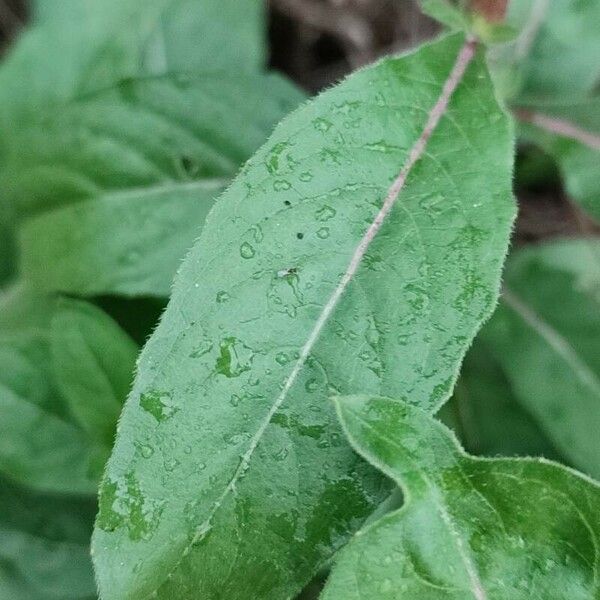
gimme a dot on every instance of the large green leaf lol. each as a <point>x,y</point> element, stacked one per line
<point>93,360</point>
<point>44,548</point>
<point>78,46</point>
<point>545,335</point>
<point>471,528</point>
<point>138,167</point>
<point>230,477</point>
<point>488,418</point>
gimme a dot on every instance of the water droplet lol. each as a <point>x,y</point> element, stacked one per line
<point>383,147</point>
<point>312,385</point>
<point>280,185</point>
<point>246,250</point>
<point>234,358</point>
<point>171,464</point>
<point>282,358</point>
<point>325,213</point>
<point>146,451</point>
<point>321,124</point>
<point>158,404</point>
<point>272,162</point>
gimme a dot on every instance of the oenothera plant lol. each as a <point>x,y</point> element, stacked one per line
<point>315,327</point>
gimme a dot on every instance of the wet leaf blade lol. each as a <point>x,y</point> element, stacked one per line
<point>470,528</point>
<point>209,387</point>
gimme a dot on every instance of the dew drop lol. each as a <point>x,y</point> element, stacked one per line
<point>280,185</point>
<point>246,250</point>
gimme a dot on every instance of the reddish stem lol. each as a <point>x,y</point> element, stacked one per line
<point>559,127</point>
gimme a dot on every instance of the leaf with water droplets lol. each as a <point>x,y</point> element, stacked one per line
<point>270,489</point>
<point>470,527</point>
<point>115,189</point>
<point>545,335</point>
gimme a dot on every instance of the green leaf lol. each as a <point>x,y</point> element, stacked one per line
<point>138,167</point>
<point>545,335</point>
<point>93,360</point>
<point>558,51</point>
<point>489,419</point>
<point>78,47</point>
<point>470,528</point>
<point>128,243</point>
<point>42,450</point>
<point>230,476</point>
<point>44,546</point>
<point>569,131</point>
<point>39,445</point>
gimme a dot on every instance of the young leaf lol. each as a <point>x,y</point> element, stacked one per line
<point>311,275</point>
<point>44,553</point>
<point>93,360</point>
<point>470,528</point>
<point>545,335</point>
<point>138,167</point>
<point>569,131</point>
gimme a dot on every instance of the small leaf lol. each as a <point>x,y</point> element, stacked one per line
<point>93,360</point>
<point>545,335</point>
<point>470,528</point>
<point>230,476</point>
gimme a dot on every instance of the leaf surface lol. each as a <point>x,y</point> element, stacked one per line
<point>246,486</point>
<point>93,361</point>
<point>545,335</point>
<point>40,446</point>
<point>79,46</point>
<point>44,553</point>
<point>488,417</point>
<point>116,187</point>
<point>470,528</point>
